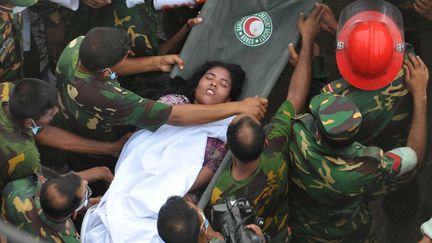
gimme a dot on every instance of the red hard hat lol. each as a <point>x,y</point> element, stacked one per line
<point>370,50</point>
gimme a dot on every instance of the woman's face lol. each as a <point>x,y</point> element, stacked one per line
<point>214,87</point>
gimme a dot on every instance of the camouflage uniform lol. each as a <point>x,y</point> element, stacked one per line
<point>21,207</point>
<point>267,188</point>
<point>95,108</point>
<point>386,112</point>
<point>19,156</point>
<point>329,184</point>
<point>139,22</point>
<point>11,53</point>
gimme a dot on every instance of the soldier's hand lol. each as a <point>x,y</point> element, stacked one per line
<point>416,75</point>
<point>166,63</point>
<point>328,21</point>
<point>425,239</point>
<point>193,21</point>
<point>294,55</point>
<point>254,106</point>
<point>256,229</point>
<point>310,26</point>
<point>117,146</point>
<point>423,8</point>
<point>99,173</point>
<point>96,3</point>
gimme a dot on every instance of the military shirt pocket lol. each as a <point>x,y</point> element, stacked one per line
<point>7,53</point>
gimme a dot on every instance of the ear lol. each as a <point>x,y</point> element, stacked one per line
<point>28,123</point>
<point>266,143</point>
<point>105,73</point>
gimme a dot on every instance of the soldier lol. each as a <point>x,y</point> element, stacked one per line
<point>259,170</point>
<point>11,52</point>
<point>369,56</point>
<point>44,209</point>
<point>93,104</point>
<point>331,175</point>
<point>21,116</point>
<point>25,108</point>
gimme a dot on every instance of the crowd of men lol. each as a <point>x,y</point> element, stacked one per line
<point>72,102</point>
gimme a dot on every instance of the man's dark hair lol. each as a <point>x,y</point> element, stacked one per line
<point>246,139</point>
<point>58,195</point>
<point>103,47</point>
<point>32,98</point>
<point>178,222</point>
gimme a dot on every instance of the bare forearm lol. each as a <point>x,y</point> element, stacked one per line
<point>134,65</point>
<point>174,45</point>
<point>417,134</point>
<point>61,139</point>
<point>203,178</point>
<point>301,78</point>
<point>188,114</point>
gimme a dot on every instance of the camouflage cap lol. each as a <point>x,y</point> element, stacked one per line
<point>20,3</point>
<point>338,118</point>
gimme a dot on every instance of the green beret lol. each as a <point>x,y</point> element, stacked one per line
<point>338,118</point>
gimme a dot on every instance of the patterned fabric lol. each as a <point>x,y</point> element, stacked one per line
<point>386,112</point>
<point>215,149</point>
<point>93,107</point>
<point>21,207</point>
<point>267,188</point>
<point>328,186</point>
<point>19,156</point>
<point>338,118</point>
<point>11,53</point>
<point>139,22</point>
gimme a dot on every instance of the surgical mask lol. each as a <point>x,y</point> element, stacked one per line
<point>112,75</point>
<point>35,129</point>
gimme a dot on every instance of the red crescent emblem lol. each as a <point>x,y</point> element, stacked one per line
<point>247,26</point>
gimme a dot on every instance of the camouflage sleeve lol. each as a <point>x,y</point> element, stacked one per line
<point>20,209</point>
<point>131,109</point>
<point>278,131</point>
<point>397,167</point>
<point>5,89</point>
<point>50,12</point>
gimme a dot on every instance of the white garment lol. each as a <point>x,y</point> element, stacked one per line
<point>151,168</point>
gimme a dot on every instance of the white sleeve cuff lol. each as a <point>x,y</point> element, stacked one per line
<point>70,4</point>
<point>133,3</point>
<point>408,159</point>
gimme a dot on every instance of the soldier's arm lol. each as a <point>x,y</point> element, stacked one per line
<point>134,65</point>
<point>61,139</point>
<point>175,44</point>
<point>416,78</point>
<point>301,79</point>
<point>188,114</point>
